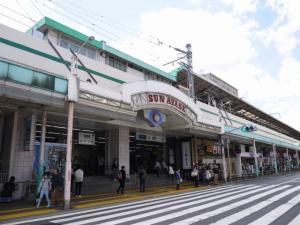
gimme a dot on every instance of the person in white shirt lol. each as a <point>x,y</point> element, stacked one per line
<point>78,181</point>
<point>44,189</point>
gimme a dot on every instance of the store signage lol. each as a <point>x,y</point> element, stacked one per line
<point>147,100</point>
<point>154,117</point>
<point>166,100</point>
<point>86,138</point>
<point>186,155</point>
<point>150,137</point>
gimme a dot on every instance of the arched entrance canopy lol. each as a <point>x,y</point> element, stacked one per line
<point>158,95</point>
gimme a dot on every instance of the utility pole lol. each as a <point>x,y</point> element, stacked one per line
<point>189,68</point>
<point>190,79</point>
<point>73,92</point>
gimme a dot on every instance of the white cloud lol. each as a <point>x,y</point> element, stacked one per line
<point>283,31</point>
<point>242,6</point>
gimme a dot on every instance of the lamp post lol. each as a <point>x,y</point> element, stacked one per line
<point>73,90</point>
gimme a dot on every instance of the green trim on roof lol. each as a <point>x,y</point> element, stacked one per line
<point>47,22</point>
<point>175,71</point>
<point>259,137</point>
<point>57,59</point>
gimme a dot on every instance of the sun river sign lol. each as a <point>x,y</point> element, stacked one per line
<point>148,100</point>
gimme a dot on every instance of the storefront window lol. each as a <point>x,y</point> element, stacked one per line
<point>20,74</point>
<point>60,85</point>
<point>3,70</point>
<point>43,80</point>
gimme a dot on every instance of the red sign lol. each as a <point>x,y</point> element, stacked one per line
<point>166,100</point>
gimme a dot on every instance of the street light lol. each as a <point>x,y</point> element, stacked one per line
<point>73,90</point>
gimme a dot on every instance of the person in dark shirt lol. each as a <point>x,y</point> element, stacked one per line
<point>121,179</point>
<point>56,181</point>
<point>142,177</point>
<point>8,189</point>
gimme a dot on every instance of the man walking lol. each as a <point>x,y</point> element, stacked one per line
<point>142,177</point>
<point>121,179</point>
<point>78,181</point>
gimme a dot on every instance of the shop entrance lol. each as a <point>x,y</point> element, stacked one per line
<point>144,153</point>
<point>88,146</point>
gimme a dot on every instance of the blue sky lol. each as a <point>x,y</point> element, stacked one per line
<point>253,45</point>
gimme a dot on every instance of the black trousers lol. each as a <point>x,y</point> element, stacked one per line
<point>78,188</point>
<point>121,186</point>
<point>142,184</point>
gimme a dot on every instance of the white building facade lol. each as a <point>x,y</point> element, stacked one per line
<point>128,111</point>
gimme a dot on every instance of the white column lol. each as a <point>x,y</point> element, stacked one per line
<point>255,158</point>
<point>119,147</point>
<point>274,160</point>
<point>238,165</point>
<point>297,157</point>
<point>228,155</point>
<point>224,159</point>
<point>13,144</point>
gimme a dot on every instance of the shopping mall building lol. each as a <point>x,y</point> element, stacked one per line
<point>128,111</point>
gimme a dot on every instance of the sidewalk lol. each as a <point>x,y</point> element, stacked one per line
<point>22,209</point>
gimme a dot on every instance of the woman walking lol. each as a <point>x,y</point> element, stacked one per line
<point>44,189</point>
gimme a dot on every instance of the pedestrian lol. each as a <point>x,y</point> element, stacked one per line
<point>157,168</point>
<point>44,189</point>
<point>121,179</point>
<point>78,181</point>
<point>115,167</point>
<point>178,179</point>
<point>216,175</point>
<point>171,172</point>
<point>8,189</point>
<point>142,177</point>
<point>164,167</point>
<point>207,176</point>
<point>56,182</point>
<point>195,175</point>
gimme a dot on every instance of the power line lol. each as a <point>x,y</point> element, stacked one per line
<point>121,26</point>
<point>25,11</point>
<point>20,14</point>
<point>15,20</point>
<point>76,20</point>
<point>37,8</point>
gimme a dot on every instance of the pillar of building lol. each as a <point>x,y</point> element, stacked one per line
<point>13,144</point>
<point>274,160</point>
<point>255,158</point>
<point>297,158</point>
<point>288,161</point>
<point>224,166</point>
<point>238,164</point>
<point>119,147</point>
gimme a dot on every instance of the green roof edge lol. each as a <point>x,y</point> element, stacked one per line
<point>46,21</point>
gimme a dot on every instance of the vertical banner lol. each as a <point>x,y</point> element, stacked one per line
<point>186,155</point>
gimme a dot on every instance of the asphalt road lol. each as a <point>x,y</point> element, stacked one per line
<point>270,200</point>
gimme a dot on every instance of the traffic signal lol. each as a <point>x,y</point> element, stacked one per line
<point>248,128</point>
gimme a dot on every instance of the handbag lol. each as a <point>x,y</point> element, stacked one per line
<point>181,180</point>
<point>194,173</point>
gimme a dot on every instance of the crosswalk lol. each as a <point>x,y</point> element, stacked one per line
<point>231,204</point>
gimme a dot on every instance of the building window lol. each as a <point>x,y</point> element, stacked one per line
<point>20,74</point>
<point>135,67</point>
<point>43,80</point>
<point>74,45</point>
<point>116,63</point>
<point>30,77</point>
<point>3,69</point>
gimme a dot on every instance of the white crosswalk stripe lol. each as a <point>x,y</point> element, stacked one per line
<point>155,206</point>
<point>277,212</point>
<point>246,212</point>
<point>205,216</point>
<point>156,200</point>
<point>238,204</point>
